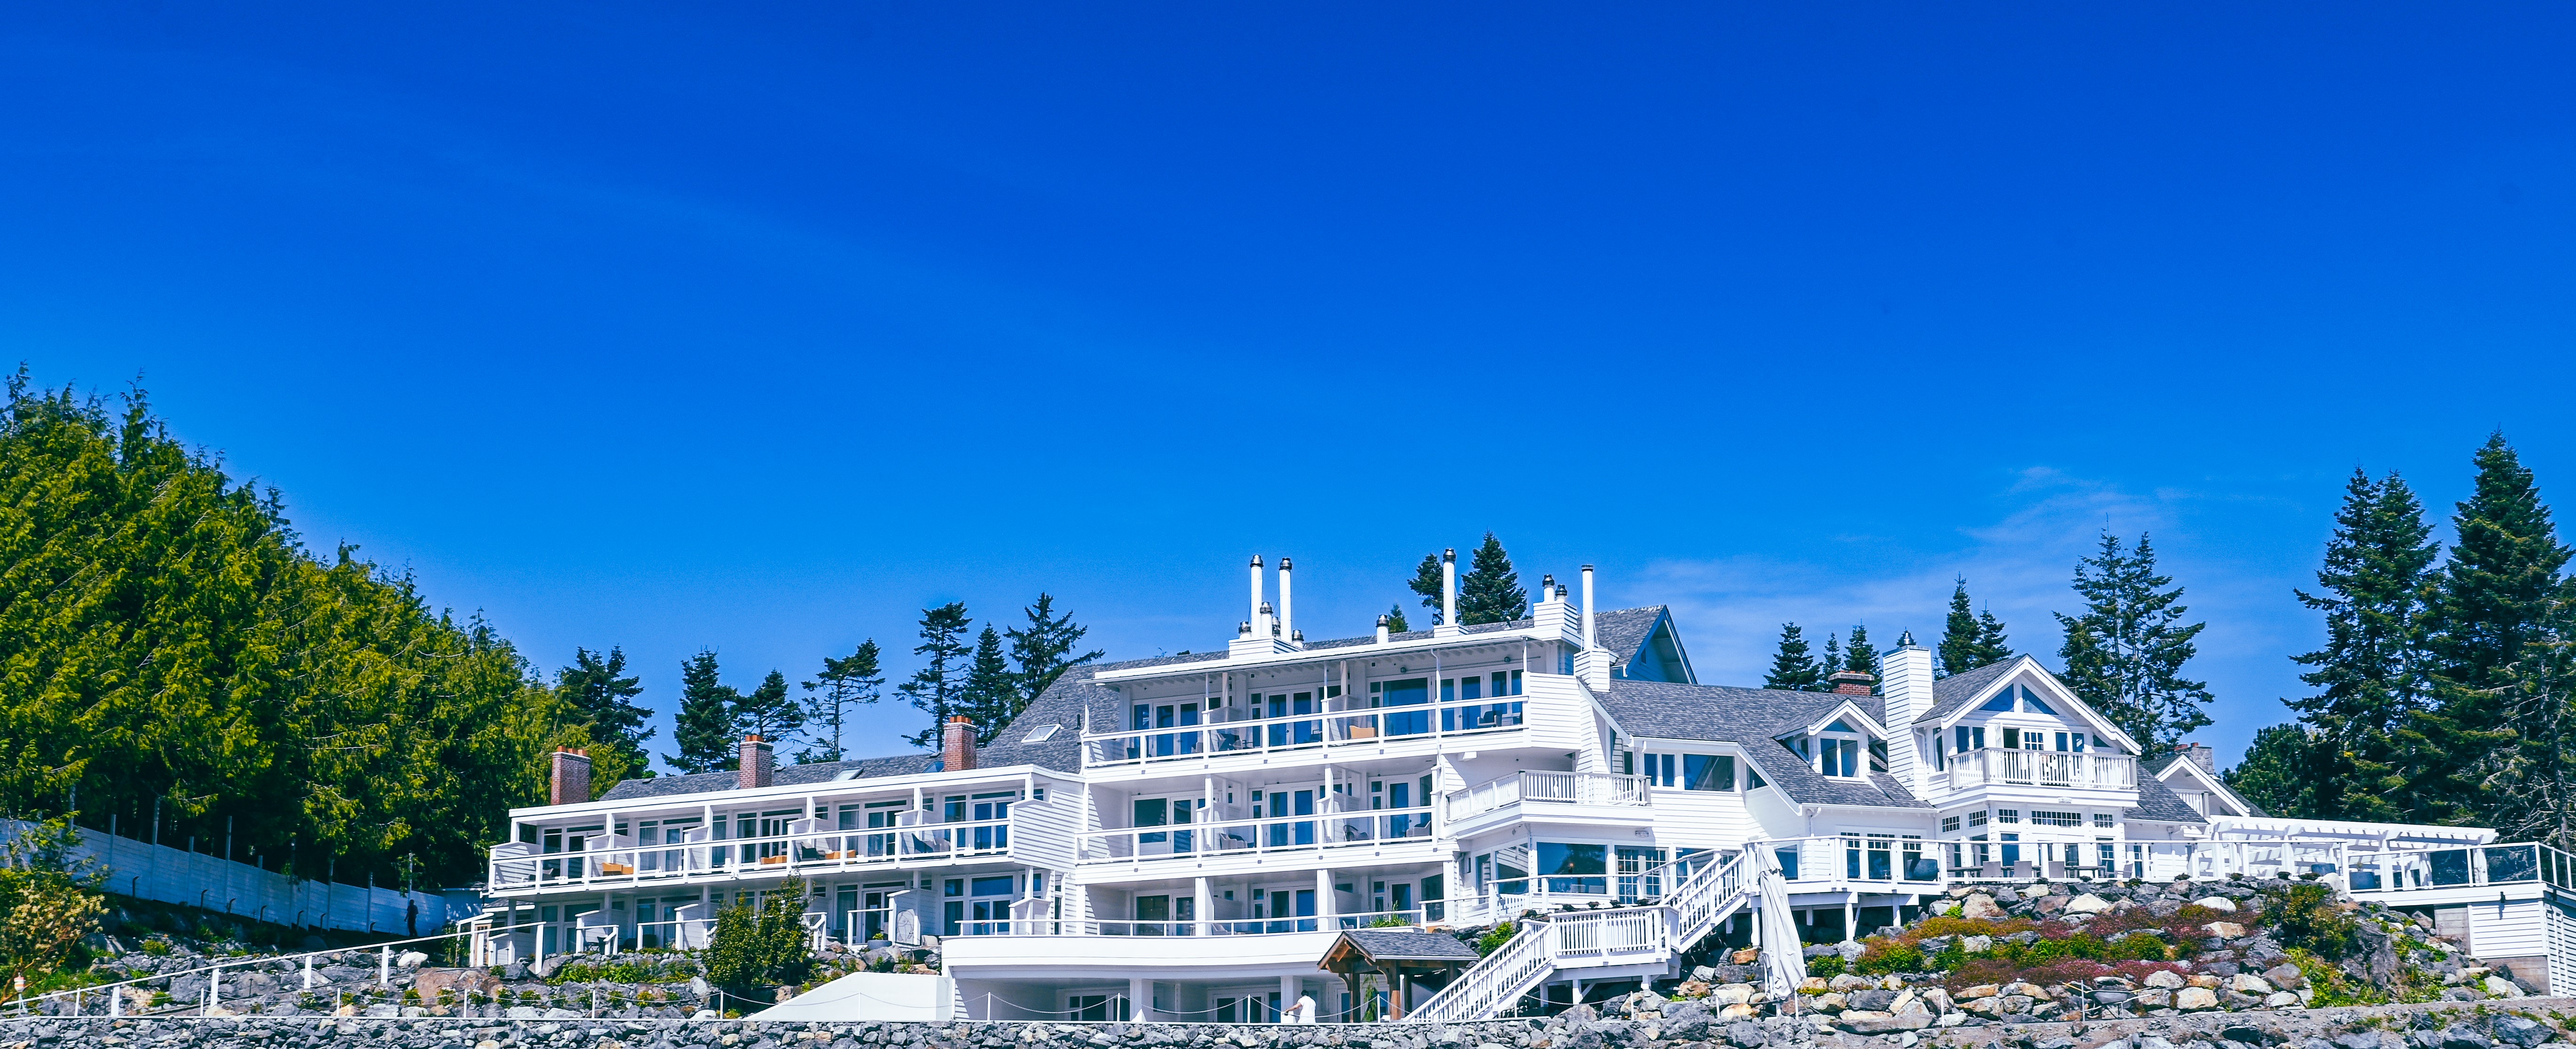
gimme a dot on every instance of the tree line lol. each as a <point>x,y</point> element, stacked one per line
<point>2445,691</point>
<point>2123,653</point>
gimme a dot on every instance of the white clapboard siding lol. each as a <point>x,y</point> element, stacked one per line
<point>167,875</point>
<point>2515,929</point>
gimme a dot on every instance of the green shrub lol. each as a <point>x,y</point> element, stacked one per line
<point>761,948</point>
<point>1494,938</point>
<point>1881,955</point>
<point>1826,965</point>
<point>157,947</point>
<point>2304,915</point>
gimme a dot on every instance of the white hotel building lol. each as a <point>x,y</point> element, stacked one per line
<point>1182,838</point>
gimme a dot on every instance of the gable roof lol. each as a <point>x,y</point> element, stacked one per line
<point>2157,803</point>
<point>1951,693</point>
<point>2178,761</point>
<point>1625,634</point>
<point>1750,718</point>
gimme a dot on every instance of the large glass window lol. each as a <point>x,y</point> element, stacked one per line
<point>1709,771</point>
<point>1575,868</point>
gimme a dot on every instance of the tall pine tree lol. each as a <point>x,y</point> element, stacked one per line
<point>1831,661</point>
<point>597,692</point>
<point>1491,591</point>
<point>2491,600</point>
<point>2370,675</point>
<point>2124,653</point>
<point>1426,582</point>
<point>704,727</point>
<point>1860,655</point>
<point>768,712</point>
<point>2532,796</point>
<point>1793,667</point>
<point>1969,640</point>
<point>2275,773</point>
<point>1045,650</point>
<point>850,681</point>
<point>934,689</point>
<point>991,694</point>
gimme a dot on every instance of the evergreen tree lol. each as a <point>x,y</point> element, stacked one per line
<point>2276,771</point>
<point>991,692</point>
<point>2490,602</point>
<point>1044,652</point>
<point>850,681</point>
<point>934,689</point>
<point>2531,795</point>
<point>705,727</point>
<point>1831,661</point>
<point>1491,591</point>
<point>1860,655</point>
<point>1426,582</point>
<point>597,694</point>
<point>1968,640</point>
<point>2370,674</point>
<point>2124,653</point>
<point>1792,668</point>
<point>767,712</point>
<point>1395,623</point>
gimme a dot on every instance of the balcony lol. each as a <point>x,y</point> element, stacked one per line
<point>1302,731</point>
<point>1317,833</point>
<point>2040,768</point>
<point>1594,798</point>
<point>618,861</point>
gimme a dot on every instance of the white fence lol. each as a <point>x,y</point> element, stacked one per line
<point>158,872</point>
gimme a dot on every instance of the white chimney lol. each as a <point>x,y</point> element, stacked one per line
<point>1258,597</point>
<point>1907,690</point>
<point>1593,664</point>
<point>1449,590</point>
<point>1587,608</point>
<point>1381,629</point>
<point>1287,603</point>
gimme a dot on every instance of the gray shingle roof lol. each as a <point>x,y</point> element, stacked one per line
<point>1751,717</point>
<point>1623,632</point>
<point>1951,693</point>
<point>2158,804</point>
<point>1409,945</point>
<point>2157,769</point>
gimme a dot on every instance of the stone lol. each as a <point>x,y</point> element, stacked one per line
<point>478,982</point>
<point>2502,988</point>
<point>2013,1004</point>
<point>2463,1036</point>
<point>2195,998</point>
<point>2149,1041</point>
<point>1738,1011</point>
<point>2280,1000</point>
<point>2208,980</point>
<point>2087,904</point>
<point>2286,977</point>
<point>2247,983</point>
<point>2225,930</point>
<point>1980,905</point>
<point>1814,985</point>
<point>2220,904</point>
<point>1703,974</point>
<point>2165,978</point>
<point>2247,1034</point>
<point>2027,990</point>
<point>1849,982</point>
<point>1869,1022</point>
<point>1874,1000</point>
<point>1831,1001</point>
<point>1983,990</point>
<point>1976,944</point>
<point>1747,1035</point>
<point>410,960</point>
<point>1701,989</point>
<point>1731,994</point>
<point>2519,1031</point>
<point>1747,956</point>
<point>2007,896</point>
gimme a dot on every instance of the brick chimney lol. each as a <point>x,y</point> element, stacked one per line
<point>568,780</point>
<point>1851,683</point>
<point>759,769</point>
<point>2201,755</point>
<point>957,744</point>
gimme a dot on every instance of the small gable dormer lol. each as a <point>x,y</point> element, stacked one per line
<point>1843,744</point>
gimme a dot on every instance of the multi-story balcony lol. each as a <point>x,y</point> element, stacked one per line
<point>616,862</point>
<point>1222,845</point>
<point>1302,731</point>
<point>2039,768</point>
<point>1598,799</point>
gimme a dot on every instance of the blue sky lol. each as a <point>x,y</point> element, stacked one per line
<point>760,329</point>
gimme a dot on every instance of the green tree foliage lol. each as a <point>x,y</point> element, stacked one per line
<point>1426,582</point>
<point>991,695</point>
<point>49,902</point>
<point>936,688</point>
<point>2124,653</point>
<point>1860,655</point>
<point>1395,623</point>
<point>2370,676</point>
<point>2531,795</point>
<point>757,949</point>
<point>1831,660</point>
<point>596,692</point>
<point>706,727</point>
<point>1491,591</point>
<point>767,711</point>
<point>1045,650</point>
<point>2275,773</point>
<point>2492,599</point>
<point>1970,640</point>
<point>166,636</point>
<point>1793,667</point>
<point>851,681</point>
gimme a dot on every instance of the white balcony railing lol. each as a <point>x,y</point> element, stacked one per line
<point>1302,731</point>
<point>612,861</point>
<point>2039,768</point>
<point>1566,788</point>
<point>1214,927</point>
<point>1304,832</point>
